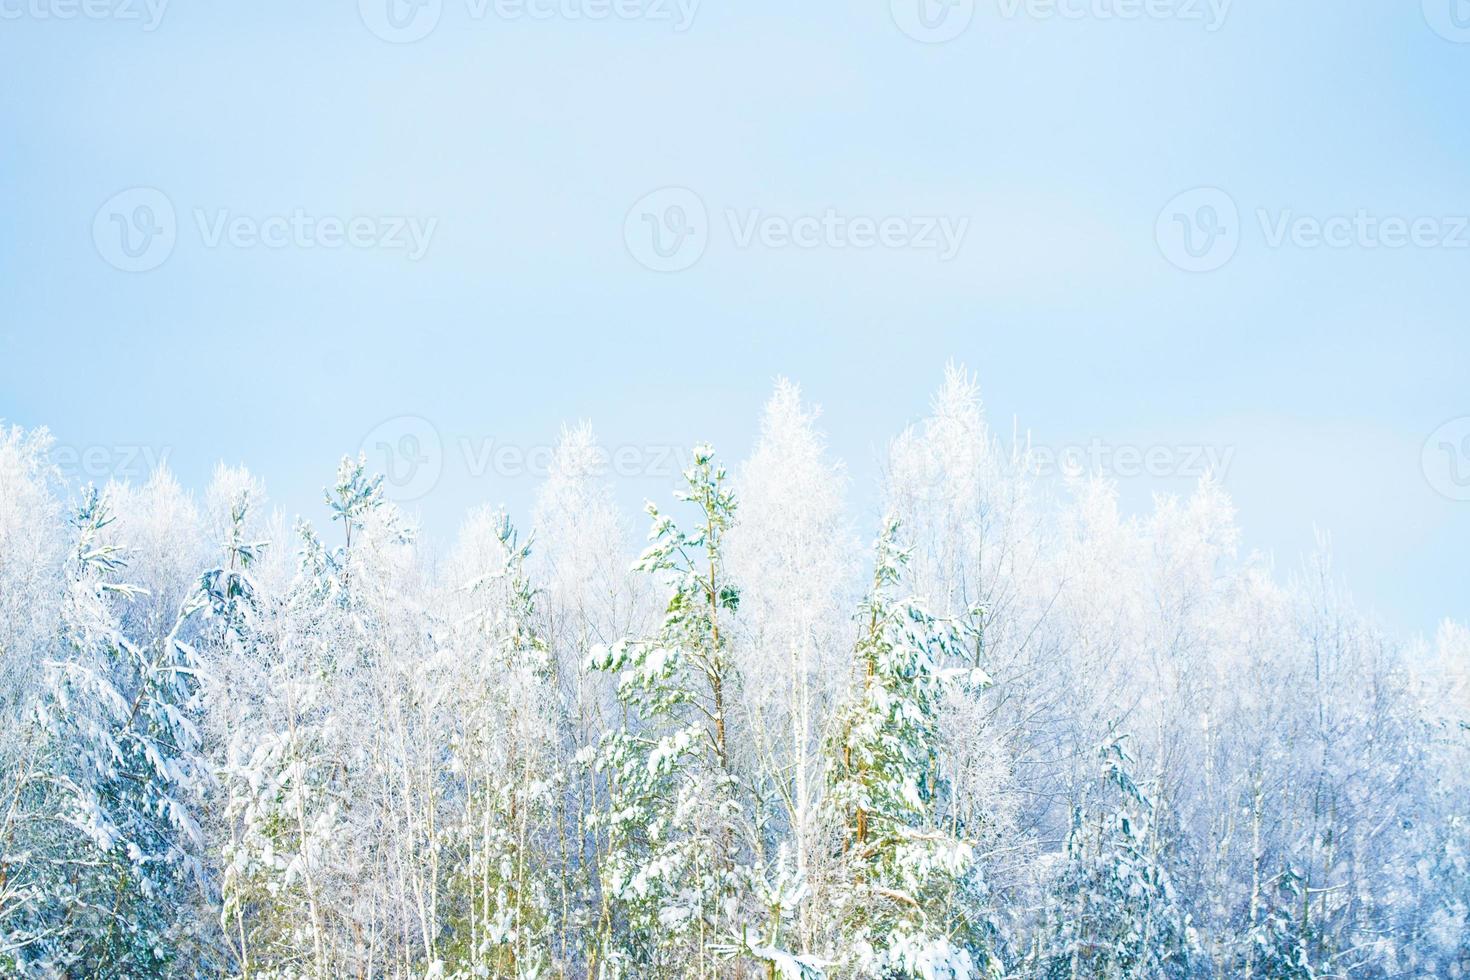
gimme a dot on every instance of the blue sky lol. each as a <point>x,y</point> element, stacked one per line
<point>519,145</point>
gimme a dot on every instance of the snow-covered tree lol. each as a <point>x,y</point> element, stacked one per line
<point>1115,912</point>
<point>906,907</point>
<point>671,864</point>
<point>503,841</point>
<point>301,767</point>
<point>33,559</point>
<point>791,553</point>
<point>125,776</point>
<point>234,639</point>
<point>589,595</point>
<point>983,554</point>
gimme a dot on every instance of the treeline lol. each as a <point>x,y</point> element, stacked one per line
<point>1018,735</point>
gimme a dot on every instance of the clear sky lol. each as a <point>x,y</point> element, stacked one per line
<point>181,273</point>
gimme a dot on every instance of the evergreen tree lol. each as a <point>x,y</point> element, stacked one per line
<point>233,636</point>
<point>1115,913</point>
<point>1277,948</point>
<point>127,773</point>
<point>670,869</point>
<point>905,909</point>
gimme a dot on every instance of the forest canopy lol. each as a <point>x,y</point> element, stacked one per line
<point>1001,729</point>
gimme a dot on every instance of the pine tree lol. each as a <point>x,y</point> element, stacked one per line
<point>1115,913</point>
<point>903,911</point>
<point>1276,947</point>
<point>669,870</point>
<point>128,772</point>
<point>233,632</point>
